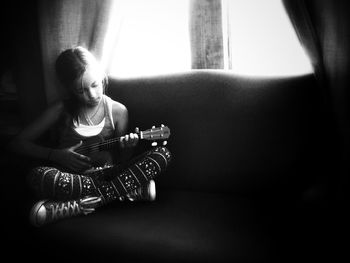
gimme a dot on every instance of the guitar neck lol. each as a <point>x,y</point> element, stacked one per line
<point>94,147</point>
<point>153,134</point>
<point>109,144</point>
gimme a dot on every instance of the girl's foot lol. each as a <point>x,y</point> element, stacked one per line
<point>46,211</point>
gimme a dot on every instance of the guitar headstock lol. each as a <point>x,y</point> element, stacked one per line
<point>156,133</point>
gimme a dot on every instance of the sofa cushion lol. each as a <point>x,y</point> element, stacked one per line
<point>257,139</point>
<point>232,133</point>
<point>182,226</point>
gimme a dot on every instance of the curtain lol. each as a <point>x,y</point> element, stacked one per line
<point>323,29</point>
<point>23,48</point>
<point>206,34</point>
<point>67,23</point>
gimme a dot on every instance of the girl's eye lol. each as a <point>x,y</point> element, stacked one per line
<point>95,85</point>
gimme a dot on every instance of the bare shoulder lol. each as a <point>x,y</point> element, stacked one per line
<point>119,110</point>
<point>120,117</point>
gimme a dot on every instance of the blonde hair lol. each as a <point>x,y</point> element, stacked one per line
<point>70,66</point>
<point>72,63</point>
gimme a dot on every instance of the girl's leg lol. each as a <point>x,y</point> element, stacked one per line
<point>82,194</point>
<point>52,183</point>
<point>49,182</point>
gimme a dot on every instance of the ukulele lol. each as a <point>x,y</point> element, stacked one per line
<point>95,147</point>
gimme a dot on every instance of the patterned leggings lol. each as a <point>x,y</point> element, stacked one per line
<point>49,182</point>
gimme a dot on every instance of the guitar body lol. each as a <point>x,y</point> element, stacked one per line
<point>99,149</point>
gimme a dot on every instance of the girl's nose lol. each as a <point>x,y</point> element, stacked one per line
<point>91,94</point>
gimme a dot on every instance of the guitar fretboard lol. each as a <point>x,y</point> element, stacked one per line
<point>100,146</point>
<point>153,134</point>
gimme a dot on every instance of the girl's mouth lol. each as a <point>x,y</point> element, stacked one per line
<point>94,102</point>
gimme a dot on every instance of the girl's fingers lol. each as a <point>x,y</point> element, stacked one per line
<point>84,158</point>
<point>122,142</point>
<point>126,140</point>
<point>74,147</point>
<point>129,140</point>
<point>136,139</point>
<point>81,157</point>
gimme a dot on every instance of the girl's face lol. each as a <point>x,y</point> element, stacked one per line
<point>89,88</point>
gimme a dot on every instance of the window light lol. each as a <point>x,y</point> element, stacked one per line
<point>261,39</point>
<point>151,37</point>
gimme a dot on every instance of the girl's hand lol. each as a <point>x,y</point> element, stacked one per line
<point>130,140</point>
<point>70,159</point>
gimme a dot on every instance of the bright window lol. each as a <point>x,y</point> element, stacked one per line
<point>148,38</point>
<point>261,40</point>
<point>151,37</point>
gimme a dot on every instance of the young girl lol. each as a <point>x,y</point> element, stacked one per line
<point>71,185</point>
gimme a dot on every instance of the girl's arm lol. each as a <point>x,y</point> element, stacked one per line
<point>24,143</point>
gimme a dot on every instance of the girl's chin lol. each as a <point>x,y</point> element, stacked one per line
<point>93,102</point>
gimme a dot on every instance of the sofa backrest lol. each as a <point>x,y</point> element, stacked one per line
<point>228,132</point>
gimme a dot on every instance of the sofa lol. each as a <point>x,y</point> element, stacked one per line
<point>251,159</point>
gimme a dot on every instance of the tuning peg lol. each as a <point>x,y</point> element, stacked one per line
<point>154,144</point>
<point>165,143</point>
<point>162,125</point>
<point>137,130</point>
<point>153,127</point>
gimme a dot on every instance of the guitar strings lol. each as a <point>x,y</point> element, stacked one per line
<point>95,146</point>
<point>98,144</point>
